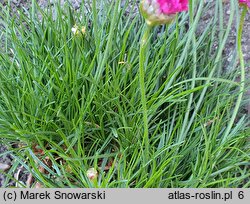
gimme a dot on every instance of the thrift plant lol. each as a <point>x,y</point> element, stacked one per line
<point>103,97</point>
<point>155,12</point>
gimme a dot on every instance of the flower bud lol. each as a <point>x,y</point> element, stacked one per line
<point>76,31</point>
<point>246,2</point>
<point>92,174</point>
<point>158,12</point>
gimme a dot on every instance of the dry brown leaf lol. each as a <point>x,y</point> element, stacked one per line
<point>29,180</point>
<point>38,185</point>
<point>41,169</point>
<point>37,150</point>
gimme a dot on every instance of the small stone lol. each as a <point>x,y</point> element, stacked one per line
<point>4,167</point>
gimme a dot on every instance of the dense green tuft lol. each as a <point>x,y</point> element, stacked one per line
<point>77,98</point>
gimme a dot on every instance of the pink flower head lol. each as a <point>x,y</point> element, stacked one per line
<point>246,2</point>
<point>173,6</point>
<point>162,11</point>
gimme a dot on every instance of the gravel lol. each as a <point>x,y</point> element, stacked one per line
<point>5,160</point>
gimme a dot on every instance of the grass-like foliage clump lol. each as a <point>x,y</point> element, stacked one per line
<point>70,101</point>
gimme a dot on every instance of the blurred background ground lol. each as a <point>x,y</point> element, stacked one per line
<point>5,161</point>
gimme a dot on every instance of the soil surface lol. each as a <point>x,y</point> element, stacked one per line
<point>5,160</point>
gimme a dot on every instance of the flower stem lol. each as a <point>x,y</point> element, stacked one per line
<point>242,67</point>
<point>142,64</point>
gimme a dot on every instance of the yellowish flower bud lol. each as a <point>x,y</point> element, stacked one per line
<point>76,31</point>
